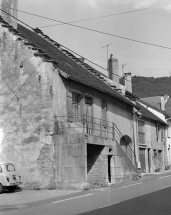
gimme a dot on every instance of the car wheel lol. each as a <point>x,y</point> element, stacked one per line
<point>1,188</point>
<point>11,189</point>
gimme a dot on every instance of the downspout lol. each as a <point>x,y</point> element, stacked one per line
<point>135,132</point>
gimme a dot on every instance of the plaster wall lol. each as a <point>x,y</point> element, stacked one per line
<point>29,89</point>
<point>119,113</point>
<point>168,142</point>
<point>152,144</point>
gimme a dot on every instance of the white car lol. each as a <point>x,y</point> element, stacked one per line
<point>8,177</point>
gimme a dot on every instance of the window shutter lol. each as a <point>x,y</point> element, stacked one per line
<point>69,106</point>
<point>82,109</point>
<point>104,113</point>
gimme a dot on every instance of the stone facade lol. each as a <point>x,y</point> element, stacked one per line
<point>153,147</point>
<point>26,111</point>
<point>38,127</point>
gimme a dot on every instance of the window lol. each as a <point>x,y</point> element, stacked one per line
<point>88,114</point>
<point>160,132</point>
<point>141,133</point>
<point>74,107</point>
<point>76,98</point>
<point>104,113</point>
<point>10,167</point>
<point>0,169</point>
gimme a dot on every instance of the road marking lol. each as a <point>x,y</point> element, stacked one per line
<point>73,198</point>
<point>132,184</point>
<point>165,187</point>
<point>164,176</point>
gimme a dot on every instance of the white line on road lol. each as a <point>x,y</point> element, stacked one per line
<point>132,184</point>
<point>164,176</point>
<point>165,187</point>
<point>73,198</point>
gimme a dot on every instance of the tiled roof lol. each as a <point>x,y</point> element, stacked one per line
<point>71,67</point>
<point>152,105</point>
<point>155,101</point>
<point>148,114</point>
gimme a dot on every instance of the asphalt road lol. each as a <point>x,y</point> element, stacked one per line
<point>150,196</point>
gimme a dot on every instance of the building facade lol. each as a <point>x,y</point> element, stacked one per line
<point>63,123</point>
<point>152,141</point>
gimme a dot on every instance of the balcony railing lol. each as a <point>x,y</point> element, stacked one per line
<point>95,127</point>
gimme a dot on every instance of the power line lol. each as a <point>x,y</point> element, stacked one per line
<point>17,19</point>
<point>67,49</point>
<point>9,87</point>
<point>105,33</point>
<point>21,88</point>
<point>97,31</point>
<point>106,16</point>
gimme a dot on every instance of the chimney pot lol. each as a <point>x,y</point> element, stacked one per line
<point>128,82</point>
<point>113,68</point>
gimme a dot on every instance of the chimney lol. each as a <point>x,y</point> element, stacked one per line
<point>128,82</point>
<point>113,68</point>
<point>10,7</point>
<point>163,101</point>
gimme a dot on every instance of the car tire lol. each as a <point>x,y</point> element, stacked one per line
<point>11,189</point>
<point>1,188</point>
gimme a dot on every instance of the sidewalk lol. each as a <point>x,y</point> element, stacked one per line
<point>162,172</point>
<point>30,196</point>
<point>24,197</point>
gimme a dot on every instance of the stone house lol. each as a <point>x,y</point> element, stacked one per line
<point>152,128</point>
<point>62,122</point>
<point>163,103</point>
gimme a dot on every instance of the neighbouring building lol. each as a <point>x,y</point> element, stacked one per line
<point>163,103</point>
<point>152,128</point>
<point>62,122</point>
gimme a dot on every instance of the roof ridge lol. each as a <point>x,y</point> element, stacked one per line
<point>78,61</point>
<point>155,108</point>
<point>50,55</point>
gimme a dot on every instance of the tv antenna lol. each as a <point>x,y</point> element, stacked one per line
<point>107,46</point>
<point>123,68</point>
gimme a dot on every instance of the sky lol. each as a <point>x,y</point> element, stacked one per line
<point>152,26</point>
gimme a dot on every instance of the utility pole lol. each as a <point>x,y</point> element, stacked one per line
<point>123,68</point>
<point>107,52</point>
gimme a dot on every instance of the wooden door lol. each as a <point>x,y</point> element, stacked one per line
<point>142,159</point>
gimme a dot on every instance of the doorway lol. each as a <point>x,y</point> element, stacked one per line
<point>109,168</point>
<point>149,161</point>
<point>142,159</point>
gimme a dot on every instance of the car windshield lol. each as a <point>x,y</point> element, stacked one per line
<point>10,167</point>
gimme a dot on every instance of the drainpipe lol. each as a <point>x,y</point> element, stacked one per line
<point>135,134</point>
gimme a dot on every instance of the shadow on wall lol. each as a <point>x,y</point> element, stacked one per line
<point>93,154</point>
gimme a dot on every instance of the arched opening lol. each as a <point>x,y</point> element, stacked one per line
<point>125,141</point>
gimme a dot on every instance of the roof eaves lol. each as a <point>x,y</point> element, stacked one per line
<point>28,33</point>
<point>155,108</point>
<point>152,116</point>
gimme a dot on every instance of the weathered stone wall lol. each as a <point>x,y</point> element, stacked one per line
<point>26,114</point>
<point>124,169</point>
<point>153,144</point>
<point>96,164</point>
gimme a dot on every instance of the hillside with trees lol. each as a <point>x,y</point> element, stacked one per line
<point>149,86</point>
